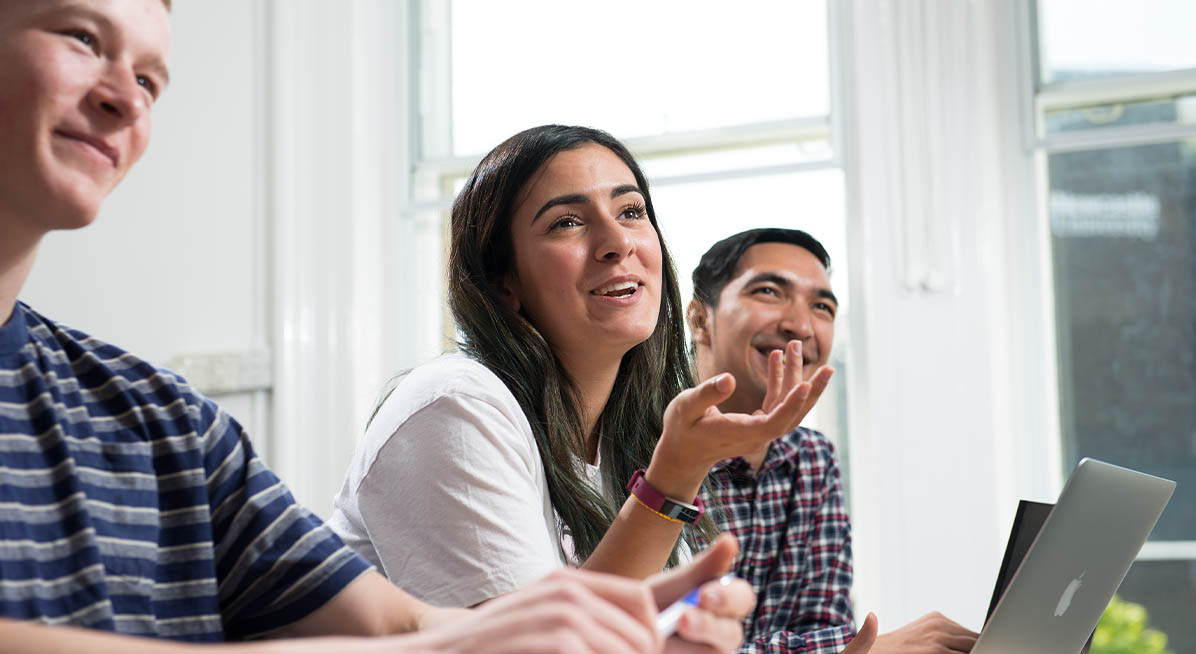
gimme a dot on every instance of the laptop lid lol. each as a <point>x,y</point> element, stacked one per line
<point>1081,555</point>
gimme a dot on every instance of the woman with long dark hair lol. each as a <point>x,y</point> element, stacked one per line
<point>484,469</point>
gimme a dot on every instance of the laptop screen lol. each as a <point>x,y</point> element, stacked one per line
<point>1029,519</point>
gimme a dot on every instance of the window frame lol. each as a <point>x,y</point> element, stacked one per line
<point>1039,98</point>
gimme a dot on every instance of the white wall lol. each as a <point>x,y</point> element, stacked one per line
<point>952,418</point>
<point>176,262</point>
<point>254,228</point>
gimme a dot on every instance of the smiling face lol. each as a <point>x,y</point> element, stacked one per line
<point>77,80</point>
<point>779,292</point>
<point>587,269</point>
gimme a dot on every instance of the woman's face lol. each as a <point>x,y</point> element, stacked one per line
<point>587,259</point>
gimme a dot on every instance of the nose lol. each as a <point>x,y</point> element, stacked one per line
<point>118,96</point>
<point>612,242</point>
<point>795,322</point>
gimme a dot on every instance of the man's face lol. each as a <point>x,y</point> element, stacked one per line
<point>77,80</point>
<point>779,292</point>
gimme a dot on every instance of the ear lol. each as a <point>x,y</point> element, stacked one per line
<point>508,289</point>
<point>697,315</point>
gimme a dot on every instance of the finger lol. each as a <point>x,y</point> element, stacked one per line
<point>692,403</point>
<point>593,624</point>
<point>720,634</point>
<point>818,383</point>
<point>864,638</point>
<point>632,597</point>
<point>789,413</point>
<point>618,611</point>
<point>792,364</point>
<point>733,598</point>
<point>716,560</point>
<point>776,371</point>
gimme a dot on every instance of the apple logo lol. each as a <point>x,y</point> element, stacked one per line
<point>1068,593</point>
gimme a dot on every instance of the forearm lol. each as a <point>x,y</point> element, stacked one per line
<point>639,540</point>
<point>18,637</point>
<point>637,544</point>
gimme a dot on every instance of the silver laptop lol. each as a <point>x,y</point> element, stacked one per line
<point>1077,562</point>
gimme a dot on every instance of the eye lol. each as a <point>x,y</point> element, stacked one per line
<point>766,290</point>
<point>633,212</point>
<point>148,84</point>
<point>564,222</point>
<point>83,36</point>
<point>823,306</point>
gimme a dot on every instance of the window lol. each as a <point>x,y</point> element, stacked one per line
<point>731,113</point>
<point>1116,127</point>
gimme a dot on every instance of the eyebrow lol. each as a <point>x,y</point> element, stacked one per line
<point>783,282</point>
<point>579,198</point>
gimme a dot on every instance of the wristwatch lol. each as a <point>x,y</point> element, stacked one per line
<point>665,506</point>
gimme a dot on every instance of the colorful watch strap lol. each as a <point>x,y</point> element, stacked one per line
<point>667,507</point>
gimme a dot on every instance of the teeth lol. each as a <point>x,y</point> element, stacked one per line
<point>614,288</point>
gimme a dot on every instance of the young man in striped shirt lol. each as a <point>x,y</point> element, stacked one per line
<point>763,310</point>
<point>133,505</point>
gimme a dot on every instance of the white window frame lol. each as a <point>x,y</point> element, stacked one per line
<point>1041,98</point>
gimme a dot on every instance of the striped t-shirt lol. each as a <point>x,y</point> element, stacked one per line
<point>131,503</point>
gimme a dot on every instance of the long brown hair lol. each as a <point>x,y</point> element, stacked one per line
<point>650,374</point>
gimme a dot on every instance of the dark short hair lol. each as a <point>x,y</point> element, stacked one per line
<point>718,265</point>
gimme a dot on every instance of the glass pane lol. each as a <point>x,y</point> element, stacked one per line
<point>1178,110</point>
<point>1079,39</point>
<point>738,159</point>
<point>632,68</point>
<point>1123,225</point>
<point>1167,592</point>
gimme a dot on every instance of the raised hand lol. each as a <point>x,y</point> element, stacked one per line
<point>785,373</point>
<point>697,434</point>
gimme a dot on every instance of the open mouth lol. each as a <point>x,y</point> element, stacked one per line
<point>618,289</point>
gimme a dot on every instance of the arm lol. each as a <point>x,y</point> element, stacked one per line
<point>696,436</point>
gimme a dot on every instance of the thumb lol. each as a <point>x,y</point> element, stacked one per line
<point>694,402</point>
<point>716,560</point>
<point>864,638</point>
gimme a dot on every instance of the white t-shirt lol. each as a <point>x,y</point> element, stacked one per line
<point>447,493</point>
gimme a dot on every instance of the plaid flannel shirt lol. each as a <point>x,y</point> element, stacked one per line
<point>795,545</point>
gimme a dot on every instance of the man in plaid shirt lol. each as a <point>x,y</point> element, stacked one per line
<point>754,294</point>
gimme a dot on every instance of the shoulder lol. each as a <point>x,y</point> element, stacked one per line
<point>82,370</point>
<point>454,377</point>
<point>458,399</point>
<point>811,450</point>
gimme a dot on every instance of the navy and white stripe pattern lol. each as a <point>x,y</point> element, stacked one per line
<point>795,544</point>
<point>130,503</point>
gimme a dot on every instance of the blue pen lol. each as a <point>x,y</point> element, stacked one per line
<point>666,620</point>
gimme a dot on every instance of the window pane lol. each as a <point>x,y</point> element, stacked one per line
<point>1177,111</point>
<point>1167,590</point>
<point>1080,39</point>
<point>694,216</point>
<point>738,159</point>
<point>632,68</point>
<point>1123,224</point>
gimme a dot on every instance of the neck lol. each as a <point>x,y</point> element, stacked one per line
<point>594,377</point>
<point>18,249</point>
